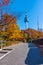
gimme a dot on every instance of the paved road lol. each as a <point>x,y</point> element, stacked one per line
<point>17,56</point>
<point>23,54</point>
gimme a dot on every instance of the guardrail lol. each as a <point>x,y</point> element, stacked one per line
<point>2,43</point>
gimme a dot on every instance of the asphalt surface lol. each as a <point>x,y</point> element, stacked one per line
<point>23,54</point>
<point>17,56</point>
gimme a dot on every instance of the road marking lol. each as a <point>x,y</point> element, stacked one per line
<point>6,54</point>
<point>0,49</point>
<point>9,51</point>
<point>33,47</point>
<point>41,64</point>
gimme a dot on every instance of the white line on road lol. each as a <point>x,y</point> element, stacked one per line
<point>33,47</point>
<point>41,64</point>
<point>6,54</point>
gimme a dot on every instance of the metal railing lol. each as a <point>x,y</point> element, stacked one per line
<point>2,43</point>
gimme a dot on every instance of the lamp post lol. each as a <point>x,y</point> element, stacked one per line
<point>2,3</point>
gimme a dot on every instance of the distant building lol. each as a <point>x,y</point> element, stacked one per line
<point>40,29</point>
<point>26,21</point>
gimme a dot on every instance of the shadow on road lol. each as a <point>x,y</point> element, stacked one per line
<point>33,57</point>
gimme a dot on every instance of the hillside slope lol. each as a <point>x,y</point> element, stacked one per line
<point>33,34</point>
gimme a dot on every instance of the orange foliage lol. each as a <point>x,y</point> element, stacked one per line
<point>33,34</point>
<point>1,26</point>
<point>14,31</point>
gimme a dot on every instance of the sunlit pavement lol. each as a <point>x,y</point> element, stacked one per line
<point>23,54</point>
<point>17,56</point>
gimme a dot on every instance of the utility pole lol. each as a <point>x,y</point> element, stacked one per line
<point>37,24</point>
<point>2,4</point>
<point>0,10</point>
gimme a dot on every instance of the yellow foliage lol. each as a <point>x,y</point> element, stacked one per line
<point>12,31</point>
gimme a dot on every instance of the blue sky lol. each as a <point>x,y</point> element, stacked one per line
<point>34,8</point>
